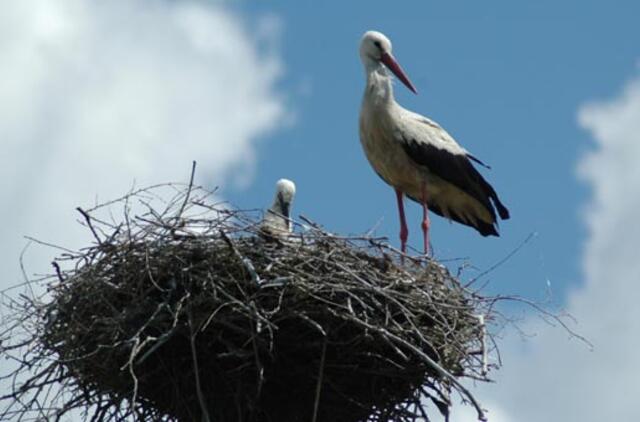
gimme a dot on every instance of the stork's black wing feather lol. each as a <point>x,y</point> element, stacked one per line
<point>477,160</point>
<point>456,169</point>
<point>482,227</point>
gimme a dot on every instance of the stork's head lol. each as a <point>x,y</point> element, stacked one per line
<point>285,191</point>
<point>375,48</point>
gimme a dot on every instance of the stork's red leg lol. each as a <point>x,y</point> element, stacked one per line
<point>404,232</point>
<point>425,219</point>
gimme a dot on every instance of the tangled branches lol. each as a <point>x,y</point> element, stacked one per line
<point>190,312</point>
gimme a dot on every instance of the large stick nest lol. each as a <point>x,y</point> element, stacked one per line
<point>189,312</point>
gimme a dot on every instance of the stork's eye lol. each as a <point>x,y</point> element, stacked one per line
<point>378,44</point>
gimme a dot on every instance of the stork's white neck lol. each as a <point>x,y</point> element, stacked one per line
<point>277,206</point>
<point>379,89</point>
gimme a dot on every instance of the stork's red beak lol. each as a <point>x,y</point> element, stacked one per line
<point>393,66</point>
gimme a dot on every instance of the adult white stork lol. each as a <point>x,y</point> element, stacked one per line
<point>416,156</point>
<point>277,220</point>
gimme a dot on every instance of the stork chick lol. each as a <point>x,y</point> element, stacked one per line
<point>277,220</point>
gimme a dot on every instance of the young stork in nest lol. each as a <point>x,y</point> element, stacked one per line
<point>277,220</point>
<point>416,156</point>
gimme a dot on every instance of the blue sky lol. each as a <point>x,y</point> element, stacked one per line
<point>505,78</point>
<point>548,93</point>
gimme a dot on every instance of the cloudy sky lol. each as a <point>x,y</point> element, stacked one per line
<point>97,96</point>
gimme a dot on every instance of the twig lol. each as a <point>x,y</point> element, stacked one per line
<point>503,260</point>
<point>246,262</point>
<point>548,314</point>
<point>87,218</point>
<point>319,383</point>
<point>189,188</point>
<point>483,345</point>
<point>196,370</point>
<point>56,266</point>
<point>51,245</point>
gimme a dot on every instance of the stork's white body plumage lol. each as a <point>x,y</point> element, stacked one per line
<point>416,156</point>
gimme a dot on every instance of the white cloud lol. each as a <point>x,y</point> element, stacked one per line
<point>97,94</point>
<point>551,378</point>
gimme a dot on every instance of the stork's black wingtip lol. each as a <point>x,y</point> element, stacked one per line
<point>503,212</point>
<point>486,229</point>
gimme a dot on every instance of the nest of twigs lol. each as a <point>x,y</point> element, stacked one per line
<point>189,312</point>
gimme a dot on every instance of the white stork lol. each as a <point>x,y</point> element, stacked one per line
<point>416,156</point>
<point>277,220</point>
